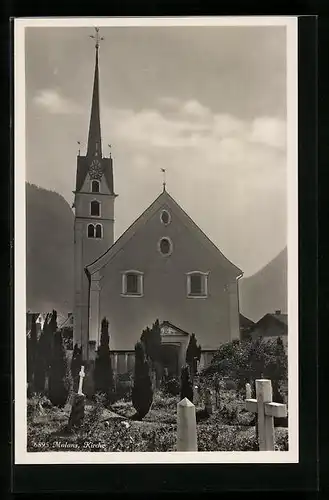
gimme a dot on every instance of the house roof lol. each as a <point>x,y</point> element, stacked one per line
<point>281,318</point>
<point>164,199</point>
<point>246,322</point>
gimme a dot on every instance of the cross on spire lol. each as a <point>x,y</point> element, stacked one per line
<point>94,147</point>
<point>97,38</point>
<point>163,170</point>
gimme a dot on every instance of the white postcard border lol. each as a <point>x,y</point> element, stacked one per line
<point>21,455</point>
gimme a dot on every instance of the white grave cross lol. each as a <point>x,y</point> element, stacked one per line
<point>266,411</point>
<point>248,391</point>
<point>81,375</point>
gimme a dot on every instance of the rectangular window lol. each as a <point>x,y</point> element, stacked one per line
<point>132,283</point>
<point>197,284</point>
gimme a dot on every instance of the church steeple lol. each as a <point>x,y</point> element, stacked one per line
<point>94,147</point>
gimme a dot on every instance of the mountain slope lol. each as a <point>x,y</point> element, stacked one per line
<point>265,291</point>
<point>49,252</point>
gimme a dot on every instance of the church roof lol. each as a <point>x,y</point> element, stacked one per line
<point>163,199</point>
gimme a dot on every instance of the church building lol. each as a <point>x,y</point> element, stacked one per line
<point>162,267</point>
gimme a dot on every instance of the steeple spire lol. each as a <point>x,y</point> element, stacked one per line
<point>94,147</point>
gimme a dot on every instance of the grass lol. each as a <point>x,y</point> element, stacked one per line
<point>228,429</point>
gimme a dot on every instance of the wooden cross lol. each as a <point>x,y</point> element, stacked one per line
<point>266,411</point>
<point>81,377</point>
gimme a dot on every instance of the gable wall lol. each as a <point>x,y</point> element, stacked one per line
<point>165,287</point>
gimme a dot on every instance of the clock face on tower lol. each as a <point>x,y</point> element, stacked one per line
<point>95,170</point>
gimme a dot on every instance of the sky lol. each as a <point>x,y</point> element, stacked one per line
<point>208,104</point>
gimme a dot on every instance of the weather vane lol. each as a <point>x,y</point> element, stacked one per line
<point>79,147</point>
<point>163,170</point>
<point>97,38</point>
<point>110,146</point>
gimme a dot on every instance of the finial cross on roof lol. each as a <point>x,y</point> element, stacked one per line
<point>97,37</point>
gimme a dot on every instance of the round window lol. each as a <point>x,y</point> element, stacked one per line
<point>165,217</point>
<point>165,246</point>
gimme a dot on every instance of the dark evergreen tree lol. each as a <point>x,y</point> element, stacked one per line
<point>193,355</point>
<point>41,359</point>
<point>142,393</point>
<point>76,364</point>
<point>186,388</point>
<point>58,390</point>
<point>151,339</point>
<point>32,341</point>
<point>103,374</point>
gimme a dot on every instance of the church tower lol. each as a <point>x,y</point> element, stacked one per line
<point>94,212</point>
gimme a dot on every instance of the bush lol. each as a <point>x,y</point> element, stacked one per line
<point>243,361</point>
<point>92,420</point>
<point>76,364</point>
<point>142,393</point>
<point>36,405</point>
<point>104,383</point>
<point>186,390</point>
<point>171,386</point>
<point>58,377</point>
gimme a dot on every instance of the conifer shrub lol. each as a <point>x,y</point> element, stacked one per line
<point>171,386</point>
<point>142,393</point>
<point>193,355</point>
<point>58,380</point>
<point>76,364</point>
<point>151,340</point>
<point>42,357</point>
<point>186,389</point>
<point>32,344</point>
<point>103,375</point>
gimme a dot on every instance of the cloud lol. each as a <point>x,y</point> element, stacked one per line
<point>269,131</point>
<point>53,102</point>
<point>228,173</point>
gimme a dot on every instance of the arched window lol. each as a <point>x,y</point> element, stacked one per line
<point>91,231</point>
<point>99,231</point>
<point>95,208</point>
<point>95,186</point>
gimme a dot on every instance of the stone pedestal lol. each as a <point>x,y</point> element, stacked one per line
<point>186,426</point>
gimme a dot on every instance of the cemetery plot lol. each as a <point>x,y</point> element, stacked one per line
<point>201,411</point>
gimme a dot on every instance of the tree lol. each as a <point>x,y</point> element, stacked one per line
<point>142,393</point>
<point>32,344</point>
<point>103,374</point>
<point>41,359</point>
<point>246,361</point>
<point>186,390</point>
<point>76,364</point>
<point>151,339</point>
<point>58,390</point>
<point>193,355</point>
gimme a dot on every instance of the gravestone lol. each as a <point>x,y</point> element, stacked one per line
<point>266,411</point>
<point>186,426</point>
<point>208,401</point>
<point>196,394</point>
<point>248,391</point>
<point>78,406</point>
